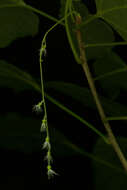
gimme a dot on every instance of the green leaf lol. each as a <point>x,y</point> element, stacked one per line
<point>16,21</point>
<point>19,133</point>
<point>11,2</point>
<point>23,134</point>
<point>97,32</point>
<point>13,77</point>
<point>61,146</point>
<point>104,177</point>
<point>112,83</point>
<point>115,13</point>
<point>77,5</point>
<point>70,112</point>
<point>18,80</point>
<point>83,95</point>
<point>62,8</point>
<point>93,32</point>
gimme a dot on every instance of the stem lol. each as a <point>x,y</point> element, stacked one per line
<point>106,44</point>
<point>116,118</point>
<point>95,96</point>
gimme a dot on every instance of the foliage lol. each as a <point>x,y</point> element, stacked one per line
<point>18,20</point>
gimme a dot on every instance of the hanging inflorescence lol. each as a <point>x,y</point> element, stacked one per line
<point>44,124</point>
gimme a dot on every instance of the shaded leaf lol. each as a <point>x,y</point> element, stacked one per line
<point>93,32</point>
<point>115,13</point>
<point>19,133</point>
<point>61,146</point>
<point>104,177</point>
<point>84,96</point>
<point>17,79</point>
<point>16,21</point>
<point>10,2</point>
<point>111,84</point>
<point>77,5</point>
<point>97,32</point>
<point>23,134</point>
<point>13,77</point>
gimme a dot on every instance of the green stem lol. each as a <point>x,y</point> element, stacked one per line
<point>106,44</point>
<point>116,118</point>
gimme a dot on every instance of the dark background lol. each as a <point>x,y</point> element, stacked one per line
<point>20,170</point>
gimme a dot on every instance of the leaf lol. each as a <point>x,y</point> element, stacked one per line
<point>115,13</point>
<point>17,79</point>
<point>104,177</point>
<point>77,5</point>
<point>97,32</point>
<point>10,2</point>
<point>16,21</point>
<point>102,33</point>
<point>19,133</point>
<point>61,146</point>
<point>23,134</point>
<point>83,95</point>
<point>113,83</point>
<point>13,77</point>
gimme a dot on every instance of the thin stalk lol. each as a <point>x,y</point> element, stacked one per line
<point>116,118</point>
<point>106,44</point>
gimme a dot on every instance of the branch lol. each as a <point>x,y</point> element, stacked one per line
<point>86,70</point>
